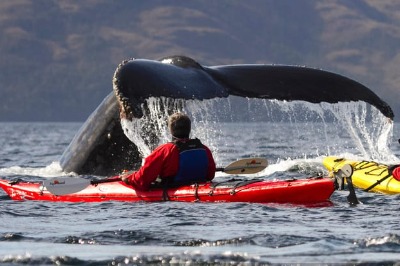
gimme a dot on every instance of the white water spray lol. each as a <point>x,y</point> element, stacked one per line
<point>364,126</point>
<point>151,130</point>
<point>369,129</point>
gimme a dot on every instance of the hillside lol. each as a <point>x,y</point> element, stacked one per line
<point>58,57</point>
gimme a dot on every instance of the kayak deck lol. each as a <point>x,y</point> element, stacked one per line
<point>296,191</point>
<point>366,174</point>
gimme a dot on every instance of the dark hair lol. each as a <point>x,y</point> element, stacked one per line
<point>179,125</point>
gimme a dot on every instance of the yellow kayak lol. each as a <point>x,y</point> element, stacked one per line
<point>367,175</point>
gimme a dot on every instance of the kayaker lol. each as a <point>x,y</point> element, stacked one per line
<point>181,161</point>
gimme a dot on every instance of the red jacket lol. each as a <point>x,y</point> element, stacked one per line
<point>164,162</point>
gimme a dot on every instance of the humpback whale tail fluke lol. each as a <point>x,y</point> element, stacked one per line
<point>101,147</point>
<point>180,77</point>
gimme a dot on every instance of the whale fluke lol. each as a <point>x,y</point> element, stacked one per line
<point>181,77</point>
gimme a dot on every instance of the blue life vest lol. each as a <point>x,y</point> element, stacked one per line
<point>193,162</point>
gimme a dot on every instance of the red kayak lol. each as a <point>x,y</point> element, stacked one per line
<point>296,191</point>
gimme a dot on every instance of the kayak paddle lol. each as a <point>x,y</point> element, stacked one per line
<point>245,166</point>
<point>346,172</point>
<point>70,185</point>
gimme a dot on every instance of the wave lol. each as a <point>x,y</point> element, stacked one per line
<point>49,171</point>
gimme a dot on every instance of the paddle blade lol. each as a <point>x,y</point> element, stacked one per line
<point>65,186</point>
<point>246,166</point>
<point>346,173</point>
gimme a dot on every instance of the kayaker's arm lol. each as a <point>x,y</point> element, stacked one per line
<point>155,166</point>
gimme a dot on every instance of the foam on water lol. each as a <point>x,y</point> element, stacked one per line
<point>52,170</point>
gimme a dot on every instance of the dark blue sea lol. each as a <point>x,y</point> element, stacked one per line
<point>164,233</point>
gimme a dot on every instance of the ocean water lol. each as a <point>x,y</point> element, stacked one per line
<point>121,233</point>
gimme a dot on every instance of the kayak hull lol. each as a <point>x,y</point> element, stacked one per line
<point>366,174</point>
<point>301,191</point>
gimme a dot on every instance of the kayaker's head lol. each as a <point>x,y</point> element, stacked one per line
<point>179,125</point>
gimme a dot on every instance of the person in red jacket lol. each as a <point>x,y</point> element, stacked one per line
<point>181,161</point>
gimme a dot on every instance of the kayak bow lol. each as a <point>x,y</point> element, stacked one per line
<point>368,175</point>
